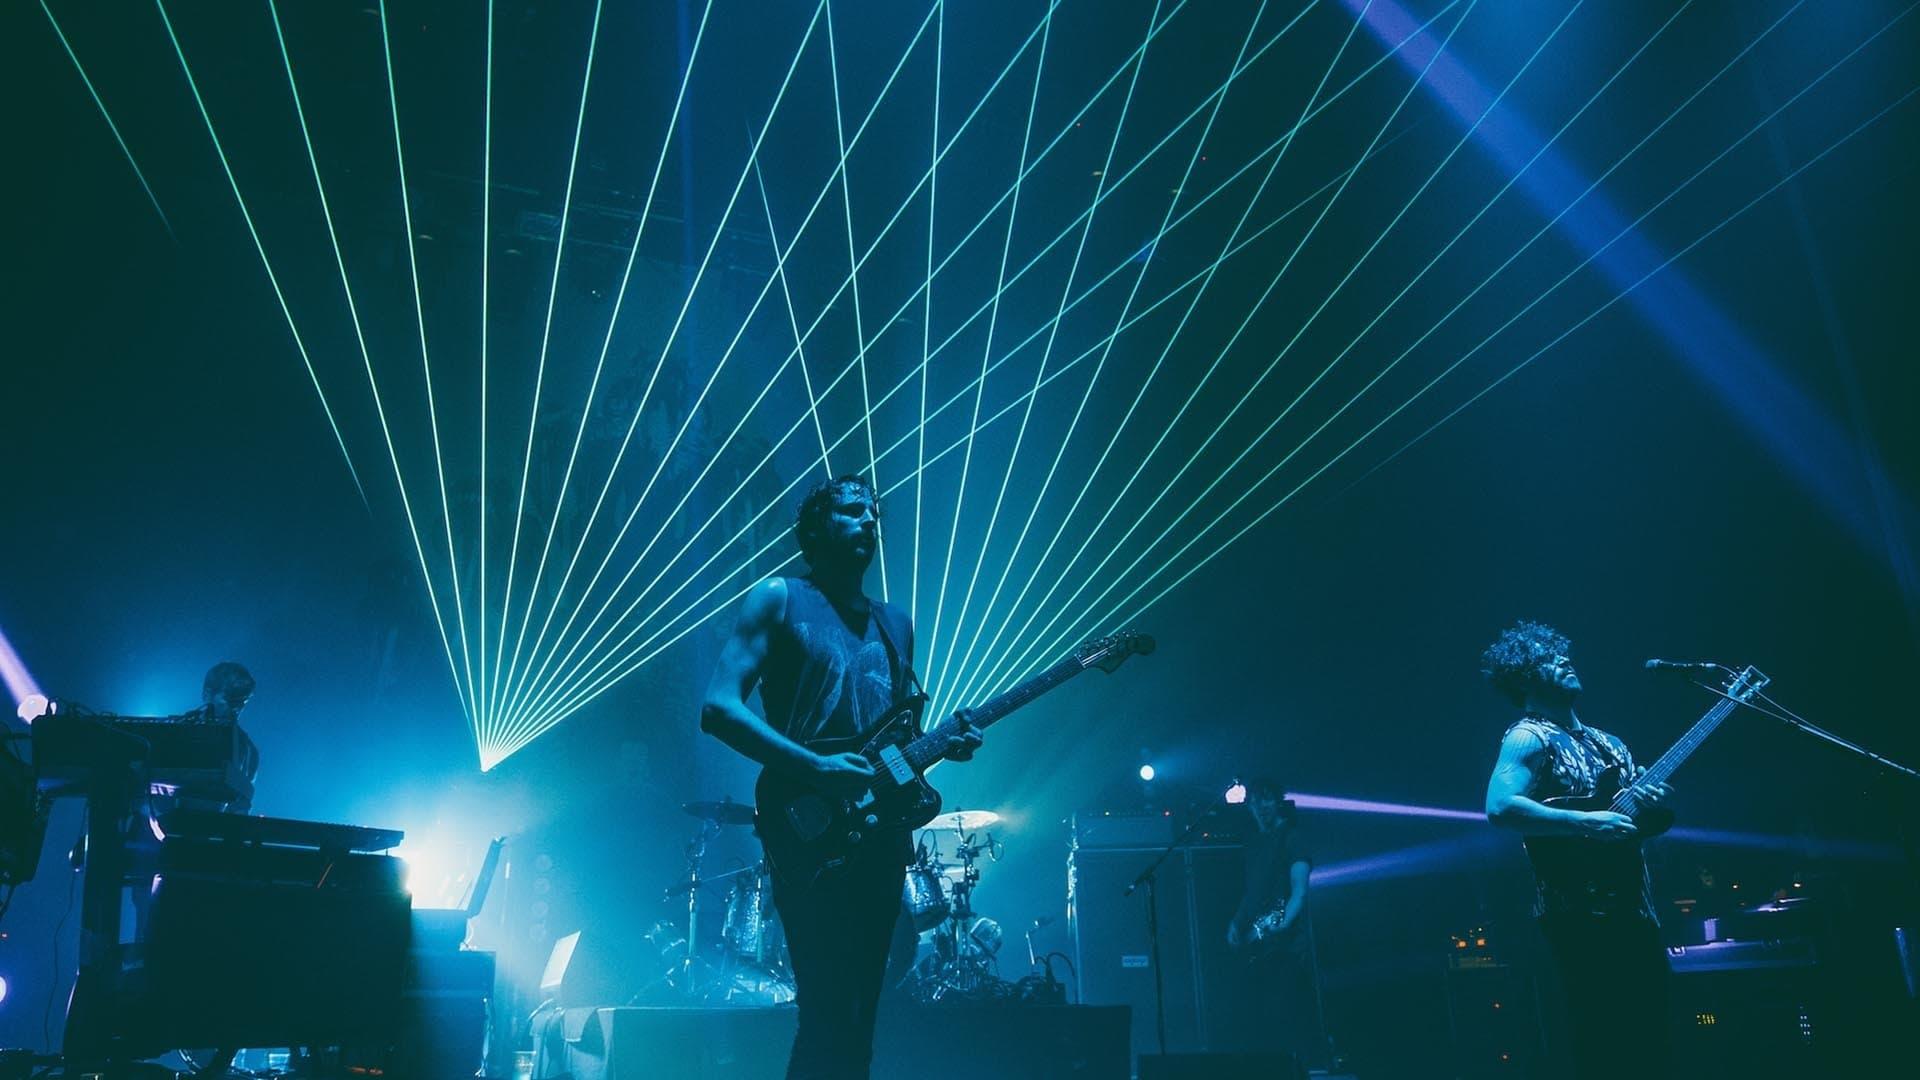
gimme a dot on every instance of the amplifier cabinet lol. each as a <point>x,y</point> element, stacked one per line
<point>1209,990</point>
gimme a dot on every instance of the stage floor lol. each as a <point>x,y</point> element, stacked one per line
<point>962,1041</point>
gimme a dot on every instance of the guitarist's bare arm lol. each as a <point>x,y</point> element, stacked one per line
<point>725,714</point>
<point>1509,807</point>
<point>1297,875</point>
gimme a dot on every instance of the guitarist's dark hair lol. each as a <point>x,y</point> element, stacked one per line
<point>1269,788</point>
<point>819,502</point>
<point>1512,662</point>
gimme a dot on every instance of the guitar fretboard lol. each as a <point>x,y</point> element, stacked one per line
<point>1744,687</point>
<point>930,747</point>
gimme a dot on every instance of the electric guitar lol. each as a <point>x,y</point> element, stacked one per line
<point>1267,933</point>
<point>1586,864</point>
<point>807,832</point>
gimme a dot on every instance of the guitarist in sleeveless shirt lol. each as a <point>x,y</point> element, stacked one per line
<point>1603,936</point>
<point>829,661</point>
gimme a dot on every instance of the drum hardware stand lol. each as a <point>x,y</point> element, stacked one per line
<point>963,970</point>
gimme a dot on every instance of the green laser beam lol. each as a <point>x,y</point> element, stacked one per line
<point>1601,309</point>
<point>260,248</point>
<point>633,424</point>
<point>1066,129</point>
<point>1153,372</point>
<point>986,354</point>
<point>847,370</point>
<point>819,199</point>
<point>419,550</point>
<point>98,103</point>
<point>1517,315</point>
<point>793,320</point>
<point>853,272</point>
<point>1544,229</point>
<point>680,321</point>
<point>926,319</point>
<point>540,373</point>
<point>1327,300</point>
<point>606,343</point>
<point>353,311</point>
<point>426,366</point>
<point>1066,439</point>
<point>486,261</point>
<point>1347,87</point>
<point>592,673</point>
<point>1515,370</point>
<point>1273,284</point>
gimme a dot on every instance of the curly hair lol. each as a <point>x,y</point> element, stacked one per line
<point>1512,662</point>
<point>226,680</point>
<point>818,503</point>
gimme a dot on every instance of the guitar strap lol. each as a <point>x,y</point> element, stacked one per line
<point>902,686</point>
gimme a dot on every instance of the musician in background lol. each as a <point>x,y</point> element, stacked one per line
<point>1270,929</point>
<point>223,694</point>
<point>829,662</point>
<point>1603,936</point>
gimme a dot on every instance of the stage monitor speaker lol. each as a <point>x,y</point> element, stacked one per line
<point>953,1041</point>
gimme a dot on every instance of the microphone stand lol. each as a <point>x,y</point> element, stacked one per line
<point>1150,878</point>
<point>1794,720</point>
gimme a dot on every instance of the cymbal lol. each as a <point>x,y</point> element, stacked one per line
<point>963,821</point>
<point>726,812</point>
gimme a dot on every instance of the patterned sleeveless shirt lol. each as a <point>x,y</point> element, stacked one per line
<point>831,673</point>
<point>1570,763</point>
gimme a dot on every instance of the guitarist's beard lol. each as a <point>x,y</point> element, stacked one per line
<point>1556,695</point>
<point>846,562</point>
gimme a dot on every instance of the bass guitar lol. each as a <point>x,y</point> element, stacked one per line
<point>808,832</point>
<point>1586,865</point>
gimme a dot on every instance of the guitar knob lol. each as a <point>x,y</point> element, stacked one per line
<point>853,837</point>
<point>872,821</point>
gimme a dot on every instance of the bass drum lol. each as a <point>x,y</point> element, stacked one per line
<point>924,898</point>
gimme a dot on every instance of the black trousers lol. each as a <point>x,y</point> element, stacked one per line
<point>1616,980</point>
<point>838,931</point>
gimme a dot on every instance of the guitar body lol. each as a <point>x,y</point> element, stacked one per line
<point>1583,864</point>
<point>807,832</point>
<point>1268,934</point>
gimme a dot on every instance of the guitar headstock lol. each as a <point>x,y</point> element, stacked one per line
<point>1108,653</point>
<point>1743,684</point>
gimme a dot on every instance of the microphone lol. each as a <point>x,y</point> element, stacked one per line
<point>1684,667</point>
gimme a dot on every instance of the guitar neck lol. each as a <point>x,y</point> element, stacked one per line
<point>931,747</point>
<point>1627,802</point>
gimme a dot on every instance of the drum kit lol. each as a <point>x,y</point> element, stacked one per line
<point>957,948</point>
<point>943,947</point>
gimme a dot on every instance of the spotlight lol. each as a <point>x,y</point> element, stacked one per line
<point>3,988</point>
<point>33,707</point>
<point>1146,772</point>
<point>435,875</point>
<point>1237,793</point>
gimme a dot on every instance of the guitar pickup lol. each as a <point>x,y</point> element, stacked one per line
<point>896,765</point>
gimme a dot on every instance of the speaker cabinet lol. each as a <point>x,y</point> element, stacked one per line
<point>1212,995</point>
